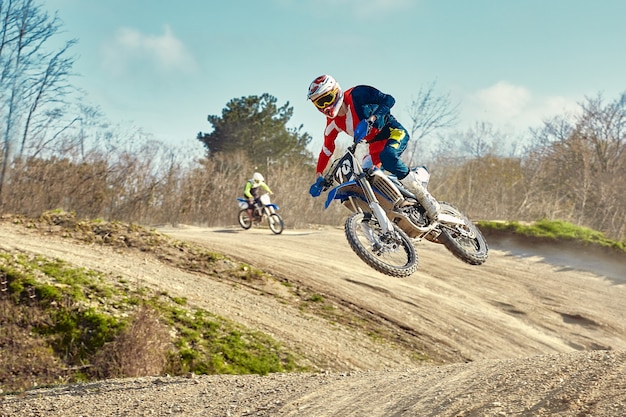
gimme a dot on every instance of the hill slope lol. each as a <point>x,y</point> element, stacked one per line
<point>516,336</point>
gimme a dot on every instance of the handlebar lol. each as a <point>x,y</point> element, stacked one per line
<point>361,130</point>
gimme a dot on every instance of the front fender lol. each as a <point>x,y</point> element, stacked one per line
<point>343,191</point>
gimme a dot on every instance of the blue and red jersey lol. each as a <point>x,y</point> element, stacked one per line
<point>362,102</point>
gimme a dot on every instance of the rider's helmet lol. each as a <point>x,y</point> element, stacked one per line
<point>326,95</point>
<point>257,178</point>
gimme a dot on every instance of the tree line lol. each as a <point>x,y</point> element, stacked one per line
<point>59,153</point>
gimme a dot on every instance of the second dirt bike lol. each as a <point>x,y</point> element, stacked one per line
<point>387,219</point>
<point>265,210</point>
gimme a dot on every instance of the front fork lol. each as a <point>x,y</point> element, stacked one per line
<point>378,212</point>
<point>366,228</point>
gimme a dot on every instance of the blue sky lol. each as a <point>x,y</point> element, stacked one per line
<point>165,65</point>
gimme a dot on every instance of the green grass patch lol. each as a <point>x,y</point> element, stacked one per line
<point>316,298</point>
<point>555,230</point>
<point>67,317</point>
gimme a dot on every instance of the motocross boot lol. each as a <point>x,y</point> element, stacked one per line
<point>430,204</point>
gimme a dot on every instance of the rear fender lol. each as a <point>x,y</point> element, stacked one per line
<point>449,219</point>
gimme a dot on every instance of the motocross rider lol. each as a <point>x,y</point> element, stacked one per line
<point>252,191</point>
<point>365,108</point>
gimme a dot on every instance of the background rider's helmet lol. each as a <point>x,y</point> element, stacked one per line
<point>326,95</point>
<point>257,178</point>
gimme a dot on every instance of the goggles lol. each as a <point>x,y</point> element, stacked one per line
<point>326,100</point>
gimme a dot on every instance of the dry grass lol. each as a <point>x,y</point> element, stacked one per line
<point>139,350</point>
<point>25,361</point>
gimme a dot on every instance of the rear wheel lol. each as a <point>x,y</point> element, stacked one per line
<point>392,253</point>
<point>275,223</point>
<point>244,219</point>
<point>466,242</point>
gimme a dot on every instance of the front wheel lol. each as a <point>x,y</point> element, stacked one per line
<point>392,253</point>
<point>275,223</point>
<point>244,219</point>
<point>466,242</point>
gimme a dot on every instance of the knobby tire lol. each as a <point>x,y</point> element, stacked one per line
<point>471,249</point>
<point>244,220</point>
<point>400,264</point>
<point>275,222</point>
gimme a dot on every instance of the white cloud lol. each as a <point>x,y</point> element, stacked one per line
<point>503,100</point>
<point>513,107</point>
<point>559,105</point>
<point>164,52</point>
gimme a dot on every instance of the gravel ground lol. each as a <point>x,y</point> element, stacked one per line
<point>576,384</point>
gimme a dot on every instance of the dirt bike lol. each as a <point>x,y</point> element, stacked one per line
<point>387,218</point>
<point>263,210</point>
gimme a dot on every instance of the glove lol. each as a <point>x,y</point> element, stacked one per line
<point>361,130</point>
<point>316,189</point>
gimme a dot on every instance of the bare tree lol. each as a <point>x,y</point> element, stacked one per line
<point>31,78</point>
<point>480,140</point>
<point>48,88</point>
<point>429,112</point>
<point>580,163</point>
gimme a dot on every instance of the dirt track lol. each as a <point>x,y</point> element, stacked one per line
<point>509,307</point>
<point>542,339</point>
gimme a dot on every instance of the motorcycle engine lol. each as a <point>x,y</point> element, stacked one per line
<point>415,214</point>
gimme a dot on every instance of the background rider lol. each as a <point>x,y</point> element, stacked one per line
<point>252,191</point>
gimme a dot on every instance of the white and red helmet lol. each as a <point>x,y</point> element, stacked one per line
<point>326,95</point>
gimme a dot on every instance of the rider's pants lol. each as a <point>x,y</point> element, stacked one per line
<point>398,138</point>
